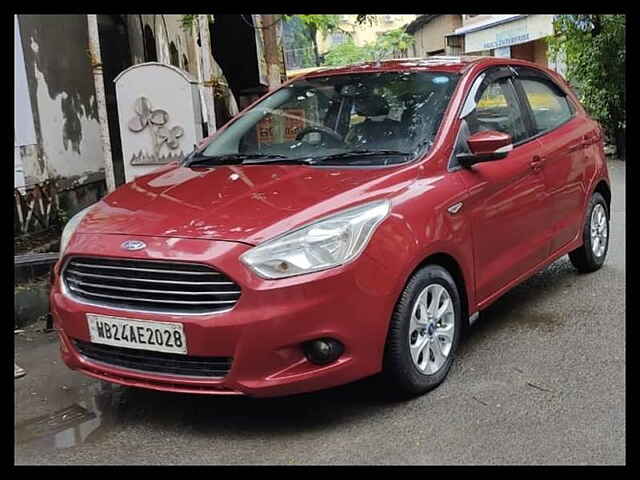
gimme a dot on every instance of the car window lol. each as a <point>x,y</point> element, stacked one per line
<point>282,124</point>
<point>333,116</point>
<point>549,108</point>
<point>498,109</point>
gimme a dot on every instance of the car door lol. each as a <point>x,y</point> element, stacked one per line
<point>506,198</point>
<point>564,139</point>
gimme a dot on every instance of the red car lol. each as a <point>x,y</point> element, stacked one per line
<point>353,221</point>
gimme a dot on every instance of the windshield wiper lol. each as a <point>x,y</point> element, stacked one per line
<point>232,159</point>
<point>309,160</point>
<point>362,153</point>
<point>261,159</point>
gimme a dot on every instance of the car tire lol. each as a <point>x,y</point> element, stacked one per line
<point>595,236</point>
<point>402,369</point>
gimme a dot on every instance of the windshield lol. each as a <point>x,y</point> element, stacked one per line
<point>360,119</point>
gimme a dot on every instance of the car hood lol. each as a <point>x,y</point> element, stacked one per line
<point>248,204</point>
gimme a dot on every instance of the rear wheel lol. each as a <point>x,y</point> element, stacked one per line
<point>424,332</point>
<point>595,236</point>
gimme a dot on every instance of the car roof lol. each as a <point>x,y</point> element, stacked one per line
<point>451,64</point>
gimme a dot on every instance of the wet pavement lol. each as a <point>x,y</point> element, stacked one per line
<point>539,380</point>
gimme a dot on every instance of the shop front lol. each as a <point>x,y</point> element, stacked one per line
<point>512,36</point>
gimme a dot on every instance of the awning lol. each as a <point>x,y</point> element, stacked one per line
<point>505,32</point>
<point>492,22</point>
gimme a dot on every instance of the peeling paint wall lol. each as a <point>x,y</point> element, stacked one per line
<point>62,94</point>
<point>430,38</point>
<point>63,100</point>
<point>166,29</point>
<point>136,41</point>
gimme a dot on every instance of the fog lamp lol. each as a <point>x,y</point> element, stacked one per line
<point>323,350</point>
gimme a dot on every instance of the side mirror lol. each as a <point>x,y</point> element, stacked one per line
<point>486,146</point>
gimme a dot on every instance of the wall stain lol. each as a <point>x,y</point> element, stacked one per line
<point>58,46</point>
<point>72,128</point>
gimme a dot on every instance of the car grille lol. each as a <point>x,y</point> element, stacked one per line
<point>150,285</point>
<point>160,362</point>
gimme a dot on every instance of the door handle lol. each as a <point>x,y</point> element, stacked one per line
<point>591,139</point>
<point>584,142</point>
<point>537,163</point>
<point>577,146</point>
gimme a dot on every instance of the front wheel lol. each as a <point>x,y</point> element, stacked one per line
<point>595,236</point>
<point>424,332</point>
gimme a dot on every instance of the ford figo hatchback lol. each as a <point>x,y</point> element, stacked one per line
<point>353,221</point>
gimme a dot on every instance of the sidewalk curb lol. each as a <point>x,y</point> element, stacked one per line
<point>32,265</point>
<point>32,286</point>
<point>31,303</point>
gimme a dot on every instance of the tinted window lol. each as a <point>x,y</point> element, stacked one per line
<point>498,109</point>
<point>549,108</point>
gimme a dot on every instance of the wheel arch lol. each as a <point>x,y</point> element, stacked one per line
<point>603,189</point>
<point>449,263</point>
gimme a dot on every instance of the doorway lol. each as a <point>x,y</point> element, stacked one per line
<point>150,52</point>
<point>233,40</point>
<point>116,56</point>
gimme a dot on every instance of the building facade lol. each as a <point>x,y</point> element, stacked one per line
<point>513,36</point>
<point>429,34</point>
<point>57,128</point>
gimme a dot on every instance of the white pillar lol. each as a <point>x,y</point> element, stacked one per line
<point>207,71</point>
<point>98,80</point>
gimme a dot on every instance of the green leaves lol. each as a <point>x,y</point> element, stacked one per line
<point>321,23</point>
<point>390,44</point>
<point>346,53</point>
<point>393,43</point>
<point>593,49</point>
<point>187,21</point>
<point>315,24</point>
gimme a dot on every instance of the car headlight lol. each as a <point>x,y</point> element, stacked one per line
<point>70,228</point>
<point>326,243</point>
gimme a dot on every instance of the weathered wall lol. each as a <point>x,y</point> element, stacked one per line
<point>540,52</point>
<point>63,100</point>
<point>430,38</point>
<point>135,27</point>
<point>468,20</point>
<point>166,29</point>
<point>61,89</point>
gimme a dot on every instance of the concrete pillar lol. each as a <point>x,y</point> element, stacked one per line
<point>96,66</point>
<point>272,49</point>
<point>207,71</point>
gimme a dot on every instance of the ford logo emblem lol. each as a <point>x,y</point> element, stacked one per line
<point>133,245</point>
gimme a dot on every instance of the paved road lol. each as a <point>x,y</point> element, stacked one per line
<point>540,380</point>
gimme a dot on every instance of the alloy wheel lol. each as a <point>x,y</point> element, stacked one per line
<point>431,329</point>
<point>599,230</point>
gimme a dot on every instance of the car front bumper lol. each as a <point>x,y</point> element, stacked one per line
<point>263,332</point>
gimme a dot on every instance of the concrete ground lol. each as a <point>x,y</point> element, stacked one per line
<point>539,380</point>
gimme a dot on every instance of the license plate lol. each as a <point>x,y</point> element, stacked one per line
<point>141,334</point>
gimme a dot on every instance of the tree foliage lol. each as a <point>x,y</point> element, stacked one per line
<point>187,21</point>
<point>299,48</point>
<point>593,48</point>
<point>392,44</point>
<point>326,24</point>
<point>347,53</point>
<point>322,24</point>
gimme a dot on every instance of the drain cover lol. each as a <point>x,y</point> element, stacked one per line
<point>52,424</point>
